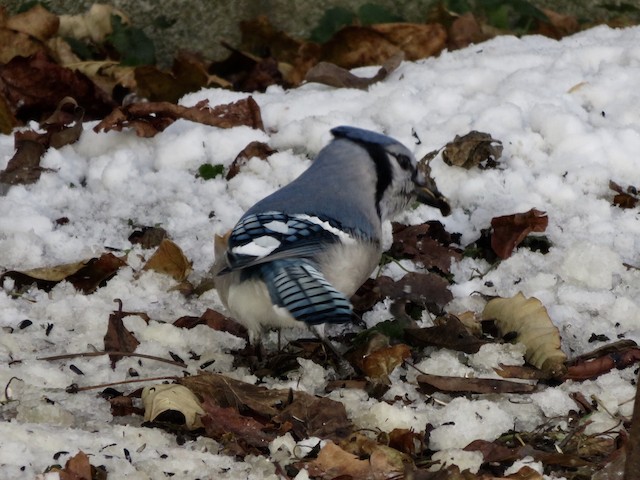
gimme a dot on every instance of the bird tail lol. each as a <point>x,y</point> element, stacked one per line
<point>300,288</point>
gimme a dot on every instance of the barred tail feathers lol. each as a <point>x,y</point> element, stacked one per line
<point>300,288</point>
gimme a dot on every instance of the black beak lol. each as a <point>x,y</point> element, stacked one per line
<point>433,198</point>
<point>427,192</point>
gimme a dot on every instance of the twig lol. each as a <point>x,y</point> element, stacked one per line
<point>74,388</point>
<point>120,354</point>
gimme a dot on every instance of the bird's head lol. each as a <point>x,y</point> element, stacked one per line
<point>400,179</point>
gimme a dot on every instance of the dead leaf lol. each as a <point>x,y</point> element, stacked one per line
<point>16,44</point>
<point>625,198</point>
<point>407,441</point>
<point>462,385</point>
<point>559,25</point>
<point>189,73</point>
<point>216,321</point>
<point>379,364</point>
<point>423,289</point>
<point>36,22</point>
<point>618,355</point>
<point>524,372</point>
<point>228,392</point>
<point>86,275</point>
<point>227,425</point>
<point>64,126</point>
<point>7,120</point>
<point>77,467</point>
<point>170,402</point>
<point>118,338</point>
<point>168,259</point>
<point>416,40</point>
<point>355,46</point>
<point>449,333</point>
<point>35,85</point>
<point>254,149</point>
<point>427,243</point>
<point>464,31</point>
<point>106,74</point>
<point>333,462</point>
<point>510,230</point>
<point>529,320</point>
<point>150,118</point>
<point>148,237</point>
<point>24,167</point>
<point>335,76</point>
<point>94,24</point>
<point>473,149</point>
<point>311,416</point>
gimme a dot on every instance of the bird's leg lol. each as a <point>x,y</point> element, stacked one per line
<point>345,370</point>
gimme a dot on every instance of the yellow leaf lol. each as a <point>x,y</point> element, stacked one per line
<point>530,321</point>
<point>172,398</point>
<point>169,259</point>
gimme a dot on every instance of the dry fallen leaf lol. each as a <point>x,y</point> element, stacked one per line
<point>37,22</point>
<point>77,467</point>
<point>63,127</point>
<point>254,149</point>
<point>510,230</point>
<point>35,85</point>
<point>118,338</point>
<point>427,243</point>
<point>228,426</point>
<point>86,275</point>
<point>416,40</point>
<point>152,117</point>
<point>471,150</point>
<point>449,333</point>
<point>462,385</point>
<point>163,402</point>
<point>168,259</point>
<point>335,76</point>
<point>216,321</point>
<point>334,462</point>
<point>621,354</point>
<point>424,289</point>
<point>311,416</point>
<point>529,320</point>
<point>624,198</point>
<point>94,24</point>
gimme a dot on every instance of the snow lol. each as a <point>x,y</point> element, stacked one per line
<point>568,115</point>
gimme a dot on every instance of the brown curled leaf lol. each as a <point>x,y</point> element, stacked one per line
<point>335,76</point>
<point>510,230</point>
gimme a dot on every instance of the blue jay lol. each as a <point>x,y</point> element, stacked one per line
<point>298,255</point>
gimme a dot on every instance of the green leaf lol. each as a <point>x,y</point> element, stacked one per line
<point>333,20</point>
<point>206,171</point>
<point>133,45</point>
<point>370,14</point>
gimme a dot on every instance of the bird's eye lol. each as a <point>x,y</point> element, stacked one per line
<point>404,161</point>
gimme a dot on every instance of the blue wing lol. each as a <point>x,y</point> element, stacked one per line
<point>300,288</point>
<point>270,236</point>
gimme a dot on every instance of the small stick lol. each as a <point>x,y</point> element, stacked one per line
<point>121,354</point>
<point>74,388</point>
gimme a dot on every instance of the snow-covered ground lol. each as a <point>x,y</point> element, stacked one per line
<point>568,114</point>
